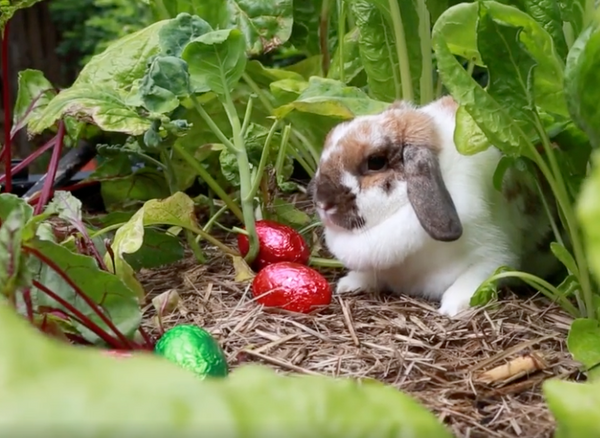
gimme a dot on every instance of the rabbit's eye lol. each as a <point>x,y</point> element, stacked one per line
<point>376,163</point>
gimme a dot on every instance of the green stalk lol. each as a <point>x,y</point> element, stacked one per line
<point>198,254</point>
<point>341,4</point>
<point>324,35</point>
<point>426,82</point>
<point>211,124</point>
<point>206,177</point>
<point>280,161</point>
<point>401,50</point>
<point>107,229</point>
<point>543,286</point>
<point>324,263</point>
<point>246,198</point>
<point>267,105</point>
<point>247,115</point>
<point>571,222</point>
<point>263,160</point>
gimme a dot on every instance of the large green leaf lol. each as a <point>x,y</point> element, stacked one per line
<point>13,270</point>
<point>83,388</point>
<point>105,289</point>
<point>581,83</point>
<point>576,14</point>
<point>216,60</point>
<point>347,61</point>
<point>266,24</point>
<point>377,51</point>
<point>548,14</point>
<point>102,92</point>
<point>575,406</point>
<point>491,116</point>
<point>328,97</point>
<point>539,45</point>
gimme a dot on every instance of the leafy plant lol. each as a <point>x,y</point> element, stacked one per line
<point>116,393</point>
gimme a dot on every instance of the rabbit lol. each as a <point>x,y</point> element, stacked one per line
<point>405,212</point>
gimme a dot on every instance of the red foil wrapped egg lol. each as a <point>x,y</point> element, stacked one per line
<point>278,243</point>
<point>291,286</point>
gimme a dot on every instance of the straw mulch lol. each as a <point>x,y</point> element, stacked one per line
<point>400,341</point>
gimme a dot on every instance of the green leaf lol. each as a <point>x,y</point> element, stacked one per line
<point>377,51</point>
<point>588,211</point>
<point>287,214</point>
<point>266,24</point>
<point>576,14</point>
<point>264,76</point>
<point>488,290</point>
<point>537,43</point>
<point>565,257</point>
<point>347,61</point>
<point>468,137</point>
<point>158,249</point>
<point>35,91</point>
<point>328,97</point>
<point>144,184</point>
<point>166,80</point>
<point>216,61</point>
<point>175,35</point>
<point>583,342</point>
<point>82,387</point>
<point>103,90</point>
<point>493,117</point>
<point>13,269</point>
<point>581,82</point>
<point>8,9</point>
<point>575,406</point>
<point>176,210</point>
<point>103,288</point>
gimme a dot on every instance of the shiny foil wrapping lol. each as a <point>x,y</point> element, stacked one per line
<point>194,349</point>
<point>278,243</point>
<point>291,286</point>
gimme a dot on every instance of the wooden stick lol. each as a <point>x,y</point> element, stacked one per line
<point>517,367</point>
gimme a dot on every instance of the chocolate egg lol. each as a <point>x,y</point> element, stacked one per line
<point>291,286</point>
<point>194,349</point>
<point>278,243</point>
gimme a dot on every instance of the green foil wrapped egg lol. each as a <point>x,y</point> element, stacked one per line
<point>194,349</point>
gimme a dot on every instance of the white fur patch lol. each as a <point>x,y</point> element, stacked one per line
<point>351,182</point>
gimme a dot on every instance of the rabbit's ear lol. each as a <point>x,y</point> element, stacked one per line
<point>428,194</point>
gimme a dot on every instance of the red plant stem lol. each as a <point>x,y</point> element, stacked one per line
<point>6,153</point>
<point>32,157</point>
<point>78,292</point>
<point>83,319</point>
<point>47,189</point>
<point>146,337</point>
<point>28,303</point>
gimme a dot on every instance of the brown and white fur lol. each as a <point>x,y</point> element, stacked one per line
<point>404,211</point>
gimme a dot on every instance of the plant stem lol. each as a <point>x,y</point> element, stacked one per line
<point>341,4</point>
<point>7,151</point>
<point>42,257</point>
<point>571,222</point>
<point>107,229</point>
<point>325,263</point>
<point>401,50</point>
<point>280,161</point>
<point>211,124</point>
<point>426,83</point>
<point>209,180</point>
<point>47,188</point>
<point>30,158</point>
<point>267,105</point>
<point>84,320</point>
<point>28,303</point>
<point>263,159</point>
<point>247,115</point>
<point>540,284</point>
<point>324,35</point>
<point>246,198</point>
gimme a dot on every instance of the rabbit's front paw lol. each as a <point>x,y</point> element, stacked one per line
<point>355,281</point>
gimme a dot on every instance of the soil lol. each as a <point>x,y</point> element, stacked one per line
<point>401,341</point>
